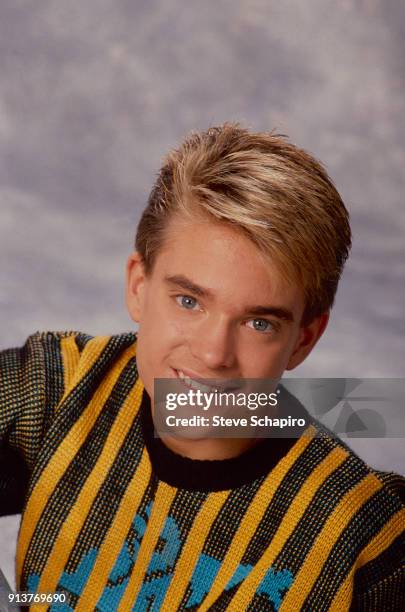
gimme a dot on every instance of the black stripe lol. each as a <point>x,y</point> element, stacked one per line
<point>54,381</point>
<point>261,603</point>
<point>184,509</point>
<point>81,340</point>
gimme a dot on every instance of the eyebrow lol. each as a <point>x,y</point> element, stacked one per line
<point>185,283</point>
<point>188,285</point>
<point>276,311</point>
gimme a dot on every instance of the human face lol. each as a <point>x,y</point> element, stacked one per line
<point>213,307</point>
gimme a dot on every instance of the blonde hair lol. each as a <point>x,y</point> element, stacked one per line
<point>275,193</point>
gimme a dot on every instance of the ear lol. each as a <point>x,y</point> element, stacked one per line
<point>308,337</point>
<point>134,286</point>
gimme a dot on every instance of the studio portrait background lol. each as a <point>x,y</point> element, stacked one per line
<point>93,94</point>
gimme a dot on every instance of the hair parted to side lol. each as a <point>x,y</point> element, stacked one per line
<point>275,193</point>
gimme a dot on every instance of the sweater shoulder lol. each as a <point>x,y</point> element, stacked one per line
<point>49,339</point>
<point>47,346</point>
<point>390,484</point>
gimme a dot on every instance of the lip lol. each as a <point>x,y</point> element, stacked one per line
<point>224,384</point>
<point>190,374</point>
<point>195,378</point>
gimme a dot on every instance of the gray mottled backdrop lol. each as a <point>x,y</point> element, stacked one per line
<point>93,93</point>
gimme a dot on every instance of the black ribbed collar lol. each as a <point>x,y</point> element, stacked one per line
<point>212,475</point>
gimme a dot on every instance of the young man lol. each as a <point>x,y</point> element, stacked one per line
<point>237,261</point>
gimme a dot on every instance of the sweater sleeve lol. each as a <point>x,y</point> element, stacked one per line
<point>31,385</point>
<point>380,583</point>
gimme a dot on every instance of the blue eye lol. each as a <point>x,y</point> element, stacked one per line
<point>186,301</point>
<point>261,325</point>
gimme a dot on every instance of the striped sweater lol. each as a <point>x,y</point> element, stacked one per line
<point>116,521</point>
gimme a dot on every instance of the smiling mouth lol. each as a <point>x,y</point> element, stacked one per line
<point>197,384</point>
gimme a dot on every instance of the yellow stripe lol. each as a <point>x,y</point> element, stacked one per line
<point>290,521</point>
<point>115,536</point>
<point>252,518</point>
<point>59,462</point>
<point>70,359</point>
<point>325,541</point>
<point>88,357</point>
<point>192,548</point>
<point>160,510</point>
<point>378,544</point>
<point>76,518</point>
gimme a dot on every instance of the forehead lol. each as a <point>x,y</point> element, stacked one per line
<point>224,261</point>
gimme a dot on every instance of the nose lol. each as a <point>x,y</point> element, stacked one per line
<point>213,344</point>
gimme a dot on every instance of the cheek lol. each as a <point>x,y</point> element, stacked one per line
<point>173,325</point>
<point>267,360</point>
<point>159,330</point>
